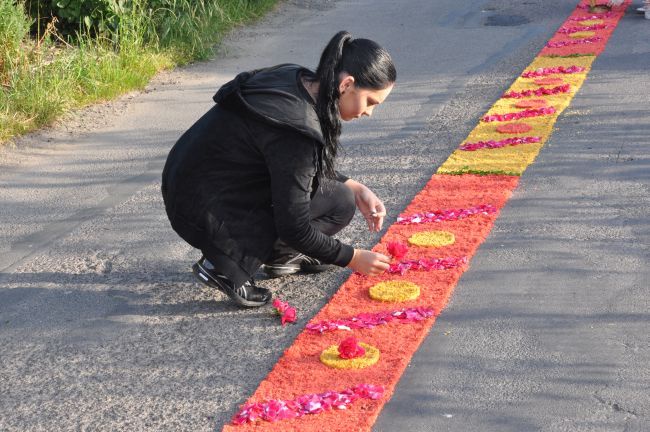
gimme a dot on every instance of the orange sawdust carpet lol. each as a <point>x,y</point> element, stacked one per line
<point>300,370</point>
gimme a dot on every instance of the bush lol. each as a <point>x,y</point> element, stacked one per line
<point>14,29</point>
<point>112,46</point>
<point>73,16</point>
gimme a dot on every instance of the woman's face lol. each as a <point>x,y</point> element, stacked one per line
<point>355,102</point>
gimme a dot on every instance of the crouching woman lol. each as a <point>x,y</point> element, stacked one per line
<point>253,182</point>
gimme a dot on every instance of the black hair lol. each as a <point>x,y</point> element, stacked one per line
<point>371,67</point>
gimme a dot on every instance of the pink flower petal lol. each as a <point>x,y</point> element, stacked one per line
<point>519,115</point>
<point>446,215</point>
<point>540,72</point>
<point>559,44</point>
<point>289,315</point>
<point>370,320</point>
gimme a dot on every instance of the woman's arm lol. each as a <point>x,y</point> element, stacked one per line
<point>291,161</point>
<point>374,212</point>
<point>369,205</point>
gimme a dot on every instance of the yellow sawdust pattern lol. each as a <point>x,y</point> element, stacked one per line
<point>582,34</point>
<point>394,291</point>
<point>432,239</point>
<point>330,357</point>
<point>512,160</point>
<point>590,22</point>
<point>546,62</point>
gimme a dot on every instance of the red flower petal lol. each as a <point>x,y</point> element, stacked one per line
<point>280,305</point>
<point>540,72</point>
<point>531,103</point>
<point>548,81</point>
<point>370,320</point>
<point>513,128</point>
<point>277,409</point>
<point>349,348</point>
<point>289,315</point>
<point>397,249</point>
<point>559,44</point>
<point>447,214</point>
<point>571,30</point>
<point>498,144</point>
<point>542,91</point>
<point>519,115</point>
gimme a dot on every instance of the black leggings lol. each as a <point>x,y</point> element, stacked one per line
<point>332,209</point>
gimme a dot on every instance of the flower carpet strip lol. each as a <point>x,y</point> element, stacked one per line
<point>581,14</point>
<point>300,371</point>
<point>509,159</point>
<point>300,393</point>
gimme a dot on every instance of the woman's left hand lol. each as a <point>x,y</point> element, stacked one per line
<point>369,205</point>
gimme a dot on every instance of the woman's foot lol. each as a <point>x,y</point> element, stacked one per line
<point>293,263</point>
<point>246,295</point>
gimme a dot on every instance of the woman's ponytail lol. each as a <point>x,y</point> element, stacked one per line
<point>371,67</point>
<point>327,106</point>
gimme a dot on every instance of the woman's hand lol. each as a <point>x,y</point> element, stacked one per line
<point>369,263</point>
<point>369,205</point>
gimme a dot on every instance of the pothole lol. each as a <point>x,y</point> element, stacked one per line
<point>506,20</point>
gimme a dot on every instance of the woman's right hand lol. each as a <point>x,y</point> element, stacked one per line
<point>369,263</point>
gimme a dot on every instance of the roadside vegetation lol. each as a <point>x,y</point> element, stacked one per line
<point>57,55</point>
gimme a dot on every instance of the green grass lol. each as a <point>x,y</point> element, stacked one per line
<point>43,78</point>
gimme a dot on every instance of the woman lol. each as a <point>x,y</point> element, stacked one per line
<point>253,181</point>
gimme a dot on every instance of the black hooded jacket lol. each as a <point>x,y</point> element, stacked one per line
<point>244,173</point>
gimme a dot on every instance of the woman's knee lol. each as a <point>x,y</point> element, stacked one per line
<point>333,207</point>
<point>347,204</point>
<point>343,204</point>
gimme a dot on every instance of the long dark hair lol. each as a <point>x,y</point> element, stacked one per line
<point>371,67</point>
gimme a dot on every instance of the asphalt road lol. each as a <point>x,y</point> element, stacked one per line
<point>550,328</point>
<point>102,326</point>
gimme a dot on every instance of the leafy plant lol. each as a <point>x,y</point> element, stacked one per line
<point>83,51</point>
<point>93,16</point>
<point>14,29</point>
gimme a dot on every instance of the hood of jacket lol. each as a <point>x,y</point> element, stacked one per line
<point>274,95</point>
